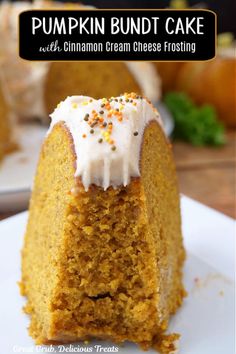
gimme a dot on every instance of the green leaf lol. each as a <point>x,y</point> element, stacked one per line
<point>196,125</point>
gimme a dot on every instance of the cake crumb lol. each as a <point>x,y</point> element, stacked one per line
<point>168,343</point>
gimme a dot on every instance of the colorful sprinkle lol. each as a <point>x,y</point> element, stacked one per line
<point>104,119</point>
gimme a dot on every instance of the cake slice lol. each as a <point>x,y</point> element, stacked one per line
<point>103,252</point>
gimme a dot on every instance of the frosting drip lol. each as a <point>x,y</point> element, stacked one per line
<point>107,136</point>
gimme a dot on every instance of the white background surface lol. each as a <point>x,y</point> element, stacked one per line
<point>206,320</point>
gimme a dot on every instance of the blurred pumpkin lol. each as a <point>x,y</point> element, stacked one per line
<point>212,82</point>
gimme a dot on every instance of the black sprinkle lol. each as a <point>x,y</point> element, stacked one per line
<point>135,133</point>
<point>86,117</point>
<point>113,148</point>
<point>101,112</point>
<point>105,124</point>
<point>100,140</point>
<point>91,131</point>
<point>103,105</point>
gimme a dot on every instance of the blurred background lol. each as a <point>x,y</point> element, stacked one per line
<point>197,101</point>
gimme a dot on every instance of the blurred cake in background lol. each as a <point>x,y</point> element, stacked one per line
<point>99,79</point>
<point>32,89</point>
<point>5,128</point>
<point>21,81</point>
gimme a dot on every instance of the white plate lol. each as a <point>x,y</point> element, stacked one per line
<point>17,169</point>
<point>206,320</point>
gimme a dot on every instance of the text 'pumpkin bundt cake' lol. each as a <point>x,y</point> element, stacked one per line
<point>103,251</point>
<point>34,88</point>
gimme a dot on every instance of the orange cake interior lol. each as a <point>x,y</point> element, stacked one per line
<point>104,263</point>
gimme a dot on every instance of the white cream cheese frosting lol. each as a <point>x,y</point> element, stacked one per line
<point>107,136</point>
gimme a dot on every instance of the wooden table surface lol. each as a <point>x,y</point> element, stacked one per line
<point>209,174</point>
<point>205,174</point>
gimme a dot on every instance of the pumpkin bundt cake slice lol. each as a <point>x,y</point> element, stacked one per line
<point>103,253</point>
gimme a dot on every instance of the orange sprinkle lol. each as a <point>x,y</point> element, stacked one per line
<point>84,136</point>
